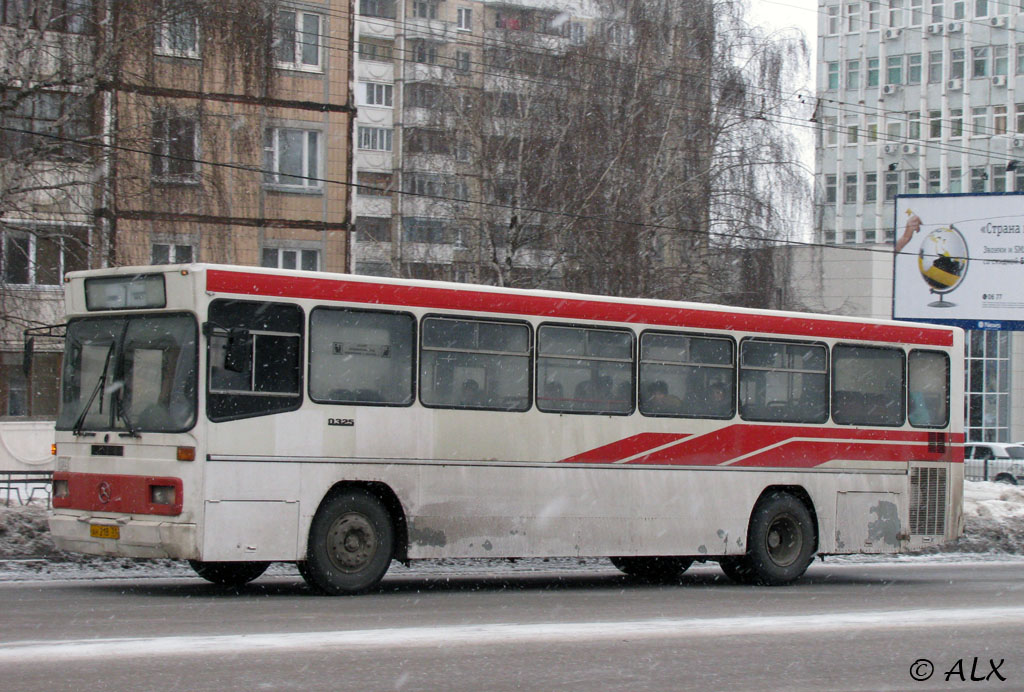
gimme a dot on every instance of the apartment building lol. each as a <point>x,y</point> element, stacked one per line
<point>181,131</point>
<point>459,104</point>
<point>923,96</point>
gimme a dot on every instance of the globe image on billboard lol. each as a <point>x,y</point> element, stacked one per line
<point>942,261</point>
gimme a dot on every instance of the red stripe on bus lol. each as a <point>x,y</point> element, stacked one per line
<point>741,439</point>
<point>808,454</point>
<point>625,448</point>
<point>103,492</point>
<point>432,297</point>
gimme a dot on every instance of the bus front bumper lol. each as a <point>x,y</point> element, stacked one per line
<point>129,537</point>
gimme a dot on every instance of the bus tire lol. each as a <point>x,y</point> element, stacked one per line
<point>738,569</point>
<point>653,569</point>
<point>780,542</point>
<point>229,573</point>
<point>1006,478</point>
<point>351,543</point>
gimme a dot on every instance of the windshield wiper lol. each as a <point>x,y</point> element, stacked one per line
<point>100,384</point>
<point>123,415</point>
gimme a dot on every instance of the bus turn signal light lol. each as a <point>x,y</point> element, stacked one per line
<point>162,494</point>
<point>186,453</point>
<point>53,449</point>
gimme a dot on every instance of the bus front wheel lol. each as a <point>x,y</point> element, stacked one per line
<point>780,543</point>
<point>229,573</point>
<point>351,543</point>
<point>653,569</point>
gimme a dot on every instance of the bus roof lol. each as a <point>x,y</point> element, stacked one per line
<point>476,298</point>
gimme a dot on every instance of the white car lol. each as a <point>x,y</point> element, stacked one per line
<point>994,461</point>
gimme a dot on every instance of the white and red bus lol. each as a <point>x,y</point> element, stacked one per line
<point>237,416</point>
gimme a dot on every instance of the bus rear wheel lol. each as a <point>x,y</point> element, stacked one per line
<point>780,543</point>
<point>229,573</point>
<point>351,543</point>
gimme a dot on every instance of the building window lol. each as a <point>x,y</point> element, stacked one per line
<point>988,386</point>
<point>424,52</point>
<point>872,131</point>
<point>830,188</point>
<point>913,183</point>
<point>873,71</point>
<point>934,124</point>
<point>874,15</point>
<point>377,94</point>
<point>375,138</point>
<point>851,133</point>
<point>1000,60</point>
<point>1020,58</point>
<point>177,30</point>
<point>935,67</point>
<point>894,130</point>
<point>892,185</point>
<point>916,12</point>
<point>297,40</point>
<point>894,69</point>
<point>830,237</point>
<point>870,187</point>
<point>375,49</point>
<point>955,180</point>
<point>896,13</point>
<point>1018,113</point>
<point>424,9</point>
<point>175,147</point>
<point>287,258</point>
<point>424,230</point>
<point>999,120</point>
<point>979,180</point>
<point>914,68</point>
<point>979,121</point>
<point>938,11</point>
<point>959,9</point>
<point>853,17</point>
<point>830,127</point>
<point>956,63</point>
<point>68,116</point>
<point>833,75</point>
<point>291,158</point>
<point>65,16</point>
<point>374,184</point>
<point>914,125</point>
<point>384,9</point>
<point>373,229</point>
<point>171,253</point>
<point>850,191</point>
<point>853,74</point>
<point>979,61</point>
<point>980,8</point>
<point>934,180</point>
<point>40,256</point>
<point>956,122</point>
<point>464,19</point>
<point>832,20</point>
<point>999,178</point>
<point>462,60</point>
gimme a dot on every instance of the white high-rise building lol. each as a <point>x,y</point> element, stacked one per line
<point>924,96</point>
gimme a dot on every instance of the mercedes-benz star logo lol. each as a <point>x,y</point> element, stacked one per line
<point>103,492</point>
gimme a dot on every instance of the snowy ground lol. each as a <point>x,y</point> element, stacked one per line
<point>994,532</point>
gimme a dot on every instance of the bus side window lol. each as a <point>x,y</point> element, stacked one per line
<point>867,385</point>
<point>584,370</point>
<point>480,364</point>
<point>783,381</point>
<point>361,356</point>
<point>270,381</point>
<point>687,376</point>
<point>928,389</point>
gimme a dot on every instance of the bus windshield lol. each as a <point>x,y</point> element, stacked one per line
<point>130,373</point>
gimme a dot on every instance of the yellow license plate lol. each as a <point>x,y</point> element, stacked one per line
<point>100,531</point>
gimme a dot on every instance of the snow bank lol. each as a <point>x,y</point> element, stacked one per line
<point>994,514</point>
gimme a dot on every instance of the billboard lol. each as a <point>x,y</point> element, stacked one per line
<point>959,259</point>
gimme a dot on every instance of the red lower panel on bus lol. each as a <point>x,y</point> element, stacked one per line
<point>99,492</point>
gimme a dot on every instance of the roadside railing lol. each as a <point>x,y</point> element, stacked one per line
<point>25,487</point>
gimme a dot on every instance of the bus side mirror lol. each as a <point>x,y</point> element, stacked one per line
<point>26,357</point>
<point>238,352</point>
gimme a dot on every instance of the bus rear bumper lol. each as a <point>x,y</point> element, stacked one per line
<point>141,538</point>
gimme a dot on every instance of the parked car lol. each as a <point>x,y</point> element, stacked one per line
<point>994,461</point>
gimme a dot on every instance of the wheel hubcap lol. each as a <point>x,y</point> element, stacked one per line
<point>784,540</point>
<point>351,542</point>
